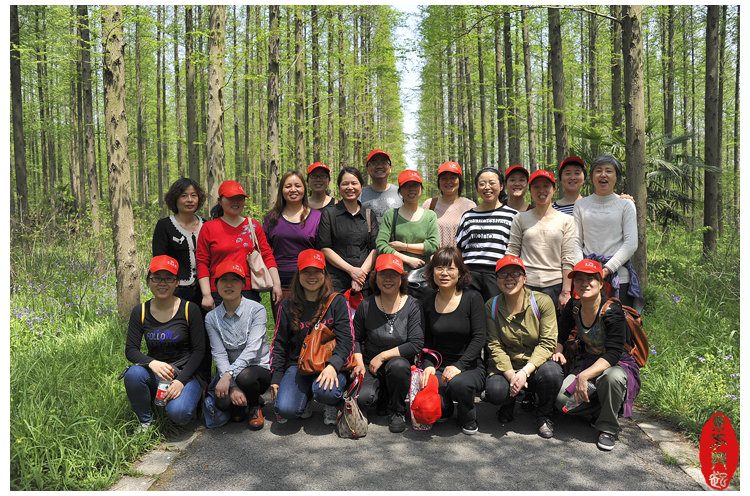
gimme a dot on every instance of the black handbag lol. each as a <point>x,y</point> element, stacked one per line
<point>418,288</point>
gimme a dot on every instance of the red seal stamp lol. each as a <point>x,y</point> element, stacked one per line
<point>719,451</point>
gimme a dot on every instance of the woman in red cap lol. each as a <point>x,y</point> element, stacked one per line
<point>521,337</point>
<point>318,178</point>
<point>389,333</point>
<point>455,326</point>
<point>237,333</point>
<point>175,338</point>
<point>601,359</point>
<point>410,232</point>
<point>516,183</point>
<point>230,236</point>
<point>310,302</point>
<point>291,226</point>
<point>545,240</point>
<point>450,206</point>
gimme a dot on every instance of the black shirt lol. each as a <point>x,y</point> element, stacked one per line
<point>171,239</point>
<point>373,333</point>
<point>348,236</point>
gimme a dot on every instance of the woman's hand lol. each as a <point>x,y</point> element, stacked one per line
<point>222,387</point>
<point>413,262</point>
<point>606,272</point>
<point>518,382</point>
<point>276,294</point>
<point>238,397</point>
<point>426,373</point>
<point>563,300</point>
<point>358,275</point>
<point>162,370</point>
<point>559,358</point>
<point>174,390</point>
<point>449,373</point>
<point>359,366</point>
<point>208,302</point>
<point>375,363</point>
<point>356,287</point>
<point>328,378</point>
<point>274,391</point>
<point>582,388</point>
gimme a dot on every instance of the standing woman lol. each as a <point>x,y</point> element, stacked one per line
<point>229,237</point>
<point>416,231</point>
<point>517,183</point>
<point>601,358</point>
<point>177,235</point>
<point>484,232</point>
<point>607,231</point>
<point>544,238</point>
<point>347,237</point>
<point>388,334</point>
<point>450,206</point>
<point>307,304</point>
<point>571,174</point>
<point>521,337</point>
<point>318,178</point>
<point>291,227</point>
<point>175,339</point>
<point>455,326</point>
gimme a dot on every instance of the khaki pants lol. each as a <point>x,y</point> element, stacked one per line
<point>611,387</point>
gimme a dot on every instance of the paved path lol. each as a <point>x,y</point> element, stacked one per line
<point>308,455</point>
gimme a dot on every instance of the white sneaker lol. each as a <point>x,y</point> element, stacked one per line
<point>145,426</point>
<point>330,415</point>
<point>308,411</point>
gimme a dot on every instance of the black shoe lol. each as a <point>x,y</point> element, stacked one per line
<point>470,428</point>
<point>397,422</point>
<point>606,441</point>
<point>505,415</point>
<point>545,427</point>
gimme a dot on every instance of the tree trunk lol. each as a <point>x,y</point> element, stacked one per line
<point>736,133</point>
<point>616,59</point>
<point>514,126</point>
<point>470,114</point>
<point>178,100</point>
<point>720,131</point>
<point>215,125</point>
<point>482,106</point>
<point>558,84</point>
<point>329,58</point>
<point>635,130</point>
<point>343,123</point>
<point>202,85</point>
<point>452,147</point>
<point>250,173</point>
<point>713,140</point>
<point>141,121</point>
<point>192,120</point>
<point>263,175</point>
<point>299,91</point>
<point>19,146</point>
<point>159,138</point>
<point>42,96</point>
<point>315,82</point>
<point>530,116</point>
<point>593,80</point>
<point>74,151</point>
<point>239,160</point>
<point>273,101</point>
<point>116,131</point>
<point>501,143</point>
<point>88,119</point>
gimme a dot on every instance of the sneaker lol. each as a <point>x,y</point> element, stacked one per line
<point>145,426</point>
<point>545,427</point>
<point>606,441</point>
<point>330,415</point>
<point>470,428</point>
<point>280,419</point>
<point>256,419</point>
<point>397,422</point>
<point>308,411</point>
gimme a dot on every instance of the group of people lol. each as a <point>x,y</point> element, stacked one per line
<point>524,276</point>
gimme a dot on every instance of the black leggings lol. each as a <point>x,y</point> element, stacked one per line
<point>393,378</point>
<point>253,381</point>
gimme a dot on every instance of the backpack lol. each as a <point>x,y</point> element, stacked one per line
<point>639,347</point>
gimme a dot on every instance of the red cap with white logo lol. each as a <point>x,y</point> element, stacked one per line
<point>389,261</point>
<point>163,262</point>
<point>229,267</point>
<point>318,165</point>
<point>311,258</point>
<point>231,188</point>
<point>378,152</point>
<point>542,173</point>
<point>409,175</point>
<point>587,266</point>
<point>450,167</point>
<point>509,260</point>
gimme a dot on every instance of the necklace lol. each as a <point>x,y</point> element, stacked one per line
<point>390,318</point>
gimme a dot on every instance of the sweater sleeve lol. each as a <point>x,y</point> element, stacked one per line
<point>432,240</point>
<point>197,343</point>
<point>280,344</point>
<point>629,236</point>
<point>358,322</point>
<point>344,332</point>
<point>499,360</point>
<point>256,345</point>
<point>615,327</point>
<point>414,331</point>
<point>547,330</point>
<point>578,238</point>
<point>516,236</point>
<point>160,240</point>
<point>203,250</point>
<point>134,337</point>
<point>218,350</point>
<point>384,234</point>
<point>568,242</point>
<point>478,326</point>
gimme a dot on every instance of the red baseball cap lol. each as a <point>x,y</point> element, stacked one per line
<point>509,260</point>
<point>231,188</point>
<point>409,175</point>
<point>587,266</point>
<point>388,261</point>
<point>318,165</point>
<point>426,403</point>
<point>163,262</point>
<point>514,168</point>
<point>572,160</point>
<point>229,267</point>
<point>311,258</point>
<point>450,167</point>
<point>377,152</point>
<point>542,173</point>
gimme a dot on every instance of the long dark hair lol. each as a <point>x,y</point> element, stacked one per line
<point>178,187</point>
<point>297,299</point>
<point>503,196</point>
<point>272,218</point>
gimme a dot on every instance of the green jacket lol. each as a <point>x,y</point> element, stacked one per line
<point>521,338</point>
<point>424,230</point>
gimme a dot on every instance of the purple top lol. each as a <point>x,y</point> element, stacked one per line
<point>288,239</point>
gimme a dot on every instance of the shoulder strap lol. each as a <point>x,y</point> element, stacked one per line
<point>435,354</point>
<point>187,304</point>
<point>369,223</point>
<point>143,313</point>
<point>535,307</point>
<point>328,304</point>
<point>494,307</point>
<point>433,202</point>
<point>393,226</point>
<point>252,232</point>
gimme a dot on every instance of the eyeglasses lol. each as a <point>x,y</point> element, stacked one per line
<point>449,270</point>
<point>159,280</point>
<point>514,275</point>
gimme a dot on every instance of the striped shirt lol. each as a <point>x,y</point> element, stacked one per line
<point>566,209</point>
<point>483,237</point>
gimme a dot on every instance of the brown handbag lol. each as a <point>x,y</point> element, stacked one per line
<point>317,348</point>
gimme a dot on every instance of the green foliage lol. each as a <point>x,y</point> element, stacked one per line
<point>692,319</point>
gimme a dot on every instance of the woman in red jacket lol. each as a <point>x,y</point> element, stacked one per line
<point>229,237</point>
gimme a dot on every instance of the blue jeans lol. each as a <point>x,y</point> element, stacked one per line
<point>140,386</point>
<point>295,390</point>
